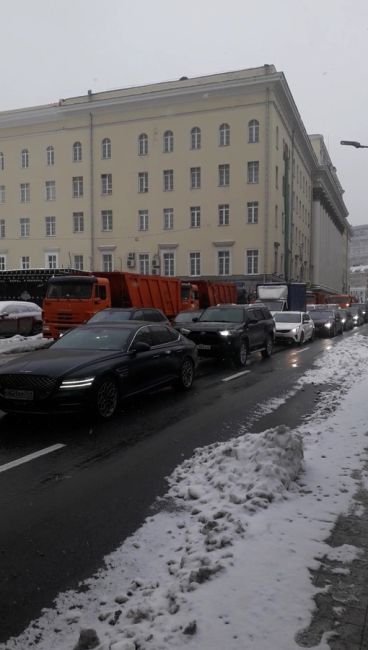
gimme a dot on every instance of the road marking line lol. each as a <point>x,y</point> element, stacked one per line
<point>238,374</point>
<point>26,459</point>
<point>303,350</point>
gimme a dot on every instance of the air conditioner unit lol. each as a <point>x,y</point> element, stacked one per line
<point>130,263</point>
<point>155,267</point>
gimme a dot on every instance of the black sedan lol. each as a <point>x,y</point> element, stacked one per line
<point>117,314</point>
<point>95,366</point>
<point>327,322</point>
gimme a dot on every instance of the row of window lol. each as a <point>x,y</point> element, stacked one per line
<point>168,262</point>
<point>78,221</point>
<point>143,144</point>
<point>195,182</point>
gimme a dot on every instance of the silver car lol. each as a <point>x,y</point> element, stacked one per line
<point>293,327</point>
<point>20,317</point>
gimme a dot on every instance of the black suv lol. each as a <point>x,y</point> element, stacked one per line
<point>232,331</point>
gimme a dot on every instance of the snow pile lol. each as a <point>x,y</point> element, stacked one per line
<point>20,343</point>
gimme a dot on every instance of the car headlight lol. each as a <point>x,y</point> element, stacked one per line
<point>77,383</point>
<point>228,332</point>
<point>343,320</point>
<point>355,317</point>
<point>328,325</point>
<point>184,331</point>
<point>295,330</point>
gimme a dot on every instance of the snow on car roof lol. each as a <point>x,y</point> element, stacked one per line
<point>7,305</point>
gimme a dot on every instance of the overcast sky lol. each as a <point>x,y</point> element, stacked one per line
<point>53,49</point>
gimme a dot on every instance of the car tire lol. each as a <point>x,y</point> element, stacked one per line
<point>107,398</point>
<point>186,376</point>
<point>241,355</point>
<point>267,352</point>
<point>312,336</point>
<point>301,340</point>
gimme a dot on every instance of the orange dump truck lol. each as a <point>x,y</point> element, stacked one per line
<point>72,300</point>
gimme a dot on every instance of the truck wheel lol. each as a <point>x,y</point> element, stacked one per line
<point>107,398</point>
<point>241,355</point>
<point>266,353</point>
<point>186,376</point>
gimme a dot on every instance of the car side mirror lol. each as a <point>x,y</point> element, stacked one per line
<point>195,319</point>
<point>141,346</point>
<point>252,320</point>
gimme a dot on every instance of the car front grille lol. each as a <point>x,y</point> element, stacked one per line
<point>41,385</point>
<point>208,338</point>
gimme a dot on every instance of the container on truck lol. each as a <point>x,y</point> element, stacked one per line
<point>283,296</point>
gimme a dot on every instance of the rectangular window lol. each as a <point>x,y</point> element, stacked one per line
<point>142,182</point>
<point>107,262</point>
<point>144,263</point>
<point>25,262</point>
<point>2,193</point>
<point>252,262</point>
<point>106,184</point>
<point>223,262</point>
<point>78,262</point>
<point>168,263</point>
<point>2,228</point>
<point>195,217</point>
<point>106,220</point>
<point>78,222</point>
<point>25,227</point>
<point>143,220</point>
<point>195,263</point>
<point>252,211</point>
<point>168,219</point>
<point>77,186</point>
<point>2,262</point>
<point>51,260</point>
<point>253,171</point>
<point>168,180</point>
<point>224,214</point>
<point>50,224</point>
<point>50,190</point>
<point>195,178</point>
<point>224,175</point>
<point>25,193</point>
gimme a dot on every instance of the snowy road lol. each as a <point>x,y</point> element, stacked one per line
<point>65,510</point>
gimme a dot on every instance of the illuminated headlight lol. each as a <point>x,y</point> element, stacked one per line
<point>295,330</point>
<point>227,332</point>
<point>328,325</point>
<point>343,320</point>
<point>184,331</point>
<point>355,317</point>
<point>77,383</point>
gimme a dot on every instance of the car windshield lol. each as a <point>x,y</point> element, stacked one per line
<point>79,290</point>
<point>321,314</point>
<point>223,315</point>
<point>94,338</point>
<point>355,309</point>
<point>186,316</point>
<point>111,316</point>
<point>288,317</point>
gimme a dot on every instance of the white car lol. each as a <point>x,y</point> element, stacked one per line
<point>20,317</point>
<point>293,326</point>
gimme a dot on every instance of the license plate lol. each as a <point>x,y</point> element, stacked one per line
<point>203,346</point>
<point>11,393</point>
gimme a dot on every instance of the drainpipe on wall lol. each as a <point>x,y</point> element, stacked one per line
<point>267,184</point>
<point>288,206</point>
<point>91,193</point>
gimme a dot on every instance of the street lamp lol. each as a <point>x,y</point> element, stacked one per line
<point>353,143</point>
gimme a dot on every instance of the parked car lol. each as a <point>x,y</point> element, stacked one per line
<point>94,366</point>
<point>187,316</point>
<point>115,315</point>
<point>232,332</point>
<point>327,322</point>
<point>347,319</point>
<point>293,327</point>
<point>364,307</point>
<point>20,317</point>
<point>358,316</point>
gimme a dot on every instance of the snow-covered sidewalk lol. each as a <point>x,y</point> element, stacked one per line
<point>224,562</point>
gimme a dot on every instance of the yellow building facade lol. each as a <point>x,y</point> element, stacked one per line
<point>211,176</point>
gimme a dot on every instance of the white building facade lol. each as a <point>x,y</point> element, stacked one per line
<point>213,176</point>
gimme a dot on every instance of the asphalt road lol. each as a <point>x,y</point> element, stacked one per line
<point>63,511</point>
